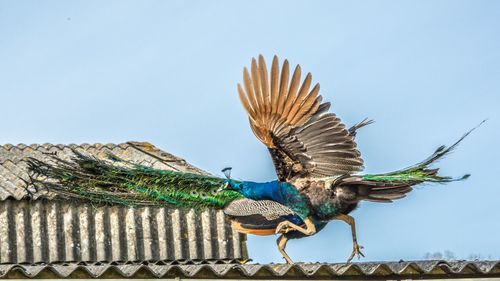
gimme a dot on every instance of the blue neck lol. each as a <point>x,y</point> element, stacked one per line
<point>261,191</point>
<point>273,190</point>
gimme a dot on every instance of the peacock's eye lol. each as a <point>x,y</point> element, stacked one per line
<point>203,195</point>
<point>194,193</point>
<point>213,191</point>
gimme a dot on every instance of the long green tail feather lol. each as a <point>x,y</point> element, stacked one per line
<point>421,172</point>
<point>116,181</point>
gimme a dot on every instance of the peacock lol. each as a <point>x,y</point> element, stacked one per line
<point>315,157</point>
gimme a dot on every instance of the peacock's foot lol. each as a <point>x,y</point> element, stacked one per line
<point>281,247</point>
<point>284,227</point>
<point>356,251</point>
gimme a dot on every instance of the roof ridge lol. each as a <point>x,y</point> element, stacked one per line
<point>22,145</point>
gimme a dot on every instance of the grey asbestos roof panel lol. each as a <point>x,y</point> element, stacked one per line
<point>13,168</point>
<point>54,230</point>
<point>359,271</point>
<point>49,231</point>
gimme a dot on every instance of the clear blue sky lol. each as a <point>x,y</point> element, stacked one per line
<point>166,72</point>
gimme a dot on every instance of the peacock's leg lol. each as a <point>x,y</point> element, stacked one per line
<point>356,248</point>
<point>281,247</point>
<point>287,226</point>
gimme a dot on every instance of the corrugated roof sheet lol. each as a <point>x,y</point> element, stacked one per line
<point>371,270</point>
<point>13,168</point>
<point>60,231</point>
<point>48,230</point>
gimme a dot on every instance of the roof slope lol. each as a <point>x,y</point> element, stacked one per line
<point>58,231</point>
<point>13,173</point>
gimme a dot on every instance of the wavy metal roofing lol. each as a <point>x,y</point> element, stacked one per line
<point>371,271</point>
<point>49,230</point>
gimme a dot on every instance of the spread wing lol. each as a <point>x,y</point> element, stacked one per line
<point>304,139</point>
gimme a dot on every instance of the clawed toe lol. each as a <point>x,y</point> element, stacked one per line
<point>356,251</point>
<point>283,227</point>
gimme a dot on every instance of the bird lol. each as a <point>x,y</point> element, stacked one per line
<point>317,163</point>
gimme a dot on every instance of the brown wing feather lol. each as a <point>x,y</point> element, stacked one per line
<point>304,139</point>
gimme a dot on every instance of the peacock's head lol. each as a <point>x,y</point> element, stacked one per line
<point>230,184</point>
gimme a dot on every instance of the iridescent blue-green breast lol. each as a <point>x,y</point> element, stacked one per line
<point>323,202</point>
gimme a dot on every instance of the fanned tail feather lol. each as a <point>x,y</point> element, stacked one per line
<point>116,181</point>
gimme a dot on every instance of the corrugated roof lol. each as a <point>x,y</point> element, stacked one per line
<point>60,231</point>
<point>13,168</point>
<point>48,230</point>
<point>342,271</point>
